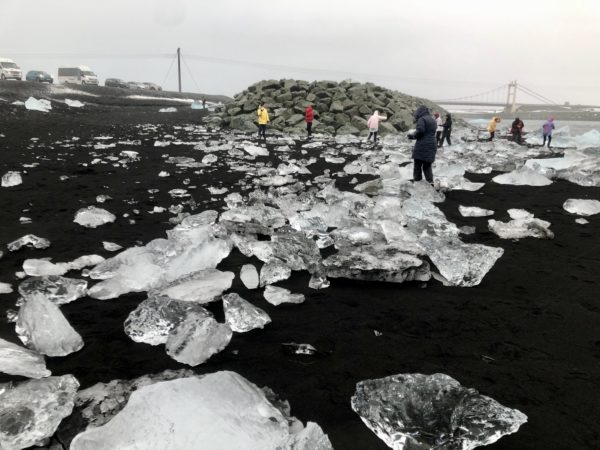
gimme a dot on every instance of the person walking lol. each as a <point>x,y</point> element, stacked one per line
<point>440,128</point>
<point>309,116</point>
<point>426,146</point>
<point>263,120</point>
<point>447,130</point>
<point>373,124</point>
<point>492,126</point>
<point>516,130</point>
<point>547,131</point>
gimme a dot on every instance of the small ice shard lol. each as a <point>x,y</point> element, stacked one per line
<point>243,316</point>
<point>33,104</point>
<point>200,287</point>
<point>179,193</point>
<point>209,159</point>
<point>474,211</point>
<point>221,410</point>
<point>217,191</point>
<point>523,177</point>
<point>167,110</point>
<point>277,295</point>
<point>163,174</point>
<point>41,326</point>
<point>10,179</point>
<point>582,207</point>
<point>33,409</point>
<point>74,103</point>
<point>154,318</point>
<point>255,150</point>
<point>92,217</point>
<point>318,282</point>
<point>24,220</point>
<point>59,290</point>
<point>461,264</point>
<point>273,272</point>
<point>522,225</point>
<point>29,240</point>
<point>196,339</point>
<point>85,261</point>
<point>17,360</point>
<point>249,276</point>
<point>416,411</point>
<point>111,246</point>
<point>299,349</point>
<point>581,221</point>
<point>5,288</point>
<point>102,198</point>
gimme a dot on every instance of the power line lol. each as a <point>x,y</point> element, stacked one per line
<point>169,71</point>
<point>190,72</point>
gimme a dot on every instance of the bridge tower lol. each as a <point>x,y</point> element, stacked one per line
<point>511,99</point>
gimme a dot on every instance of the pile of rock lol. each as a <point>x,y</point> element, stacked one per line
<point>340,108</point>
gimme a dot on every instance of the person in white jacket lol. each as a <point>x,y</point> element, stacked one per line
<point>440,128</point>
<point>373,124</point>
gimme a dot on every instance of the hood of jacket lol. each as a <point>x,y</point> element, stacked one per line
<point>421,111</point>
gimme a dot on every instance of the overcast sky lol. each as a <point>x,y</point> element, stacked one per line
<point>438,49</point>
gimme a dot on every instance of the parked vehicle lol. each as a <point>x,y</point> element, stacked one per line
<point>115,82</point>
<point>9,70</point>
<point>77,75</point>
<point>40,76</point>
<point>152,86</point>
<point>135,85</point>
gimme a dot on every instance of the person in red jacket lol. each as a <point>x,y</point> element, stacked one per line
<point>309,117</point>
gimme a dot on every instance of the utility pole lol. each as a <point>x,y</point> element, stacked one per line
<point>179,67</point>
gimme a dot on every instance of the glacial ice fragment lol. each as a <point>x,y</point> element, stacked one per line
<point>474,211</point>
<point>523,176</point>
<point>42,105</point>
<point>17,360</point>
<point>582,207</point>
<point>59,290</point>
<point>199,287</point>
<point>277,295</point>
<point>255,150</point>
<point>29,240</point>
<point>10,179</point>
<point>92,217</point>
<point>273,272</point>
<point>5,288</point>
<point>111,246</point>
<point>416,411</point>
<point>522,225</point>
<point>243,316</point>
<point>249,276</point>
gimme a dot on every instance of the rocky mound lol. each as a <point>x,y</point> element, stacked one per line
<point>340,108</point>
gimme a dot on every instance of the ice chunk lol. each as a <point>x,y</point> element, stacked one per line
<point>92,217</point>
<point>522,176</point>
<point>59,290</point>
<point>154,318</point>
<point>167,110</point>
<point>243,316</point>
<point>416,411</point>
<point>33,104</point>
<point>273,272</point>
<point>249,276</point>
<point>16,360</point>
<point>200,287</point>
<point>209,159</point>
<point>41,267</point>
<point>461,264</point>
<point>523,225</point>
<point>277,295</point>
<point>256,218</point>
<point>196,339</point>
<point>10,179</point>
<point>581,221</point>
<point>582,207</point>
<point>29,240</point>
<point>111,246</point>
<point>255,150</point>
<point>5,288</point>
<point>42,327</point>
<point>32,410</point>
<point>474,211</point>
<point>74,103</point>
<point>222,410</point>
<point>299,349</point>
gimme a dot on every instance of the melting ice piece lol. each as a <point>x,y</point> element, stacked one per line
<point>262,217</point>
<point>5,288</point>
<point>41,267</point>
<point>474,211</point>
<point>10,179</point>
<point>29,240</point>
<point>59,290</point>
<point>33,104</point>
<point>42,327</point>
<point>111,246</point>
<point>523,176</point>
<point>580,221</point>
<point>209,159</point>
<point>416,411</point>
<point>167,110</point>
<point>582,207</point>
<point>200,287</point>
<point>74,103</point>
<point>277,295</point>
<point>243,316</point>
<point>255,150</point>
<point>154,318</point>
<point>299,349</point>
<point>249,276</point>
<point>17,360</point>
<point>92,217</point>
<point>221,410</point>
<point>523,225</point>
<point>197,338</point>
<point>461,264</point>
<point>32,410</point>
<point>273,272</point>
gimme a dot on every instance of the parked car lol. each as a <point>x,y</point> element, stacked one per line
<point>77,75</point>
<point>115,82</point>
<point>152,86</point>
<point>40,76</point>
<point>135,85</point>
<point>9,70</point>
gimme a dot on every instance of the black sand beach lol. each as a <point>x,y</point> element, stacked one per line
<point>528,336</point>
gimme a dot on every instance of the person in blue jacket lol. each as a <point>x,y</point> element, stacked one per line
<point>547,131</point>
<point>426,145</point>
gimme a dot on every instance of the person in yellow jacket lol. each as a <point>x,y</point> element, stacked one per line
<point>263,120</point>
<point>492,126</point>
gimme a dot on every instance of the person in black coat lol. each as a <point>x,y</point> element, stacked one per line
<point>426,145</point>
<point>447,130</point>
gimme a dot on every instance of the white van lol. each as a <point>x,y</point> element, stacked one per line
<point>9,70</point>
<point>77,75</point>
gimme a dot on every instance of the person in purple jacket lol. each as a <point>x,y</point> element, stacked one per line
<point>547,131</point>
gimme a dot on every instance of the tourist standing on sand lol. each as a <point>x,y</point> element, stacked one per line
<point>426,145</point>
<point>309,116</point>
<point>547,131</point>
<point>492,126</point>
<point>447,130</point>
<point>263,120</point>
<point>373,124</point>
<point>440,128</point>
<point>516,130</point>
